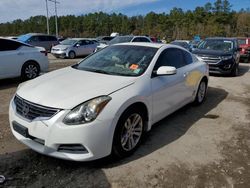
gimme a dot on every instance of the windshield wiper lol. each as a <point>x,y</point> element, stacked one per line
<point>98,71</point>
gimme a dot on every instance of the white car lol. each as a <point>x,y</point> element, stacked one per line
<point>19,59</point>
<point>107,102</point>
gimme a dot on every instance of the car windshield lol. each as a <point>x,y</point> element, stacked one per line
<point>23,38</point>
<point>68,42</point>
<point>124,60</point>
<point>120,39</point>
<point>242,41</point>
<point>221,45</point>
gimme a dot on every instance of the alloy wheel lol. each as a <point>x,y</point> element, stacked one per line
<point>131,132</point>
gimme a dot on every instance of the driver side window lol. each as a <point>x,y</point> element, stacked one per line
<point>170,57</point>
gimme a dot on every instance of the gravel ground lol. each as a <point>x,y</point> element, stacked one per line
<point>205,146</point>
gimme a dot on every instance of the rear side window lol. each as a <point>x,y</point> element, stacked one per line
<point>171,57</point>
<point>141,39</point>
<point>188,58</point>
<point>42,38</point>
<point>8,45</point>
<point>34,39</point>
<point>51,38</point>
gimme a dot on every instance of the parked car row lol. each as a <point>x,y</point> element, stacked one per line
<point>108,101</point>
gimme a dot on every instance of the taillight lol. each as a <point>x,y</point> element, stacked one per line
<point>44,52</point>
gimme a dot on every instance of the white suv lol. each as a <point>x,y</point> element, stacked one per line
<point>19,59</point>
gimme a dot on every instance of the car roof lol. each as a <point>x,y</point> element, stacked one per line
<point>187,41</point>
<point>38,34</point>
<point>25,44</point>
<point>81,38</point>
<point>147,44</point>
<point>220,38</point>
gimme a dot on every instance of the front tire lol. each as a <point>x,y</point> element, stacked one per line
<point>30,70</point>
<point>72,55</point>
<point>128,133</point>
<point>235,70</point>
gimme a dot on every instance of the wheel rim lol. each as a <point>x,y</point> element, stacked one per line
<point>71,55</point>
<point>131,132</point>
<point>31,71</point>
<point>202,91</point>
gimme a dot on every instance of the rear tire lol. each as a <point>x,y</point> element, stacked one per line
<point>30,70</point>
<point>72,55</point>
<point>129,132</point>
<point>201,93</point>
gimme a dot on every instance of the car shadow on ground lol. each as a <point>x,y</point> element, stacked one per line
<point>27,168</point>
<point>243,69</point>
<point>9,83</point>
<point>176,125</point>
<point>55,172</point>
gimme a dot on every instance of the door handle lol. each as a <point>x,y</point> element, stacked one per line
<point>185,74</point>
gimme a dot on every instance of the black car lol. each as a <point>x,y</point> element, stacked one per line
<point>183,43</point>
<point>221,54</point>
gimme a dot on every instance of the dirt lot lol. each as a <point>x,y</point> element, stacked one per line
<point>205,146</point>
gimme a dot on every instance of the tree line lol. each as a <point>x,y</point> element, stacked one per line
<point>217,19</point>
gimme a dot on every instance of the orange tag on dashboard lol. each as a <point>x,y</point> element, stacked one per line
<point>133,67</point>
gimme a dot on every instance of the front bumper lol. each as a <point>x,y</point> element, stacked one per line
<point>47,136</point>
<point>59,53</point>
<point>222,67</point>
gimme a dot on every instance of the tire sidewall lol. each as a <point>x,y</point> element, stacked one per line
<point>197,102</point>
<point>24,76</point>
<point>117,148</point>
<point>235,71</point>
<point>72,57</point>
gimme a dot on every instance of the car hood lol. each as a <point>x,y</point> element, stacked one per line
<point>210,52</point>
<point>69,87</point>
<point>61,46</point>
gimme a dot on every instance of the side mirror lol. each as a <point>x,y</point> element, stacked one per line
<point>77,45</point>
<point>166,70</point>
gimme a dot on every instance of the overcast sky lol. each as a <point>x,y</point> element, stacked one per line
<point>23,9</point>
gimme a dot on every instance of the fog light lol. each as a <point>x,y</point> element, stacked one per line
<point>72,148</point>
<point>227,66</point>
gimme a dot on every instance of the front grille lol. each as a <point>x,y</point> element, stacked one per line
<point>31,111</point>
<point>210,59</point>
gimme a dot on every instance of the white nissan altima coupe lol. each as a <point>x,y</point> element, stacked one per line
<point>104,104</point>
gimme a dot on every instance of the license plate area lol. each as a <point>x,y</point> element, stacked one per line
<point>21,129</point>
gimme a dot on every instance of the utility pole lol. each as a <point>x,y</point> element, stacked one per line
<point>56,2</point>
<point>47,16</point>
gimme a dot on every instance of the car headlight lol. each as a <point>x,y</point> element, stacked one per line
<point>87,111</point>
<point>64,49</point>
<point>226,57</point>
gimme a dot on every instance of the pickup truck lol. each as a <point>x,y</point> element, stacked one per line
<point>244,44</point>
